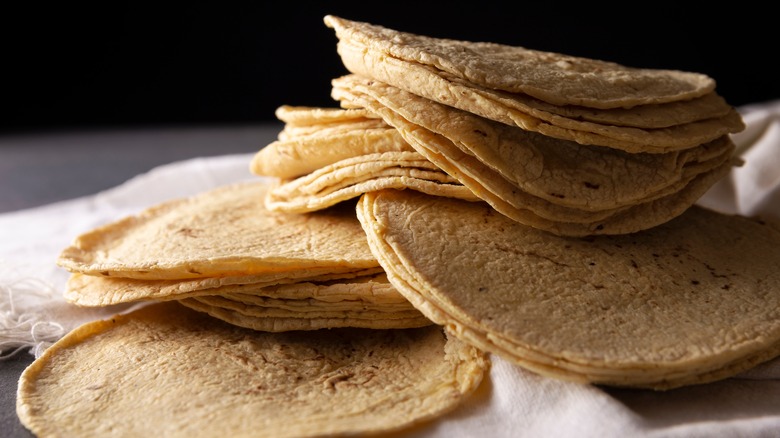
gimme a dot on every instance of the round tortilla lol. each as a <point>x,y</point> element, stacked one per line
<point>691,301</point>
<point>166,370</point>
<point>551,77</point>
<point>561,172</point>
<point>512,110</point>
<point>222,232</point>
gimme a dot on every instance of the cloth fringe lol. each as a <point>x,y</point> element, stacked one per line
<point>21,326</point>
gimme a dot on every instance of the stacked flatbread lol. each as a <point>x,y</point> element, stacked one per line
<point>566,149</point>
<point>691,301</point>
<point>223,253</point>
<point>569,145</point>
<point>325,156</point>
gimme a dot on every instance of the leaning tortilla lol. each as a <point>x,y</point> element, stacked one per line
<point>341,134</point>
<point>222,232</point>
<point>691,301</point>
<point>166,370</point>
<point>351,177</point>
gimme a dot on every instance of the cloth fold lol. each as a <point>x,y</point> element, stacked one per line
<point>512,401</point>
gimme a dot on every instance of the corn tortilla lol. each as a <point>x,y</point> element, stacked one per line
<point>691,301</point>
<point>166,370</point>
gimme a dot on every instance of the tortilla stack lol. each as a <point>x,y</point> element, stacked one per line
<point>572,98</point>
<point>313,138</point>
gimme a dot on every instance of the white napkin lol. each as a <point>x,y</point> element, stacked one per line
<point>511,402</point>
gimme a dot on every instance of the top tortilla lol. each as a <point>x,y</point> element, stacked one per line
<point>551,77</point>
<point>168,371</point>
<point>303,115</point>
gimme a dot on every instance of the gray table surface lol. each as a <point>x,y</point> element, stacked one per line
<point>38,169</point>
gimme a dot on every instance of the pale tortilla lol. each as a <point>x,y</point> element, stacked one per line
<point>166,370</point>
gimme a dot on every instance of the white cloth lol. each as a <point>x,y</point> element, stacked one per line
<point>511,402</point>
<point>32,311</point>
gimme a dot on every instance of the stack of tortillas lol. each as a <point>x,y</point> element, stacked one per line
<point>165,370</point>
<point>563,149</point>
<point>570,145</point>
<point>694,300</point>
<point>223,253</point>
<point>532,205</point>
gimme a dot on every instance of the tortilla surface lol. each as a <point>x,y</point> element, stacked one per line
<point>691,301</point>
<point>223,232</point>
<point>551,77</point>
<point>166,370</point>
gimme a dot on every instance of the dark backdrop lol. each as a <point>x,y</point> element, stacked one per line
<point>127,64</point>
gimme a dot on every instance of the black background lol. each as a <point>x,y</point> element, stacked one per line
<point>128,64</point>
